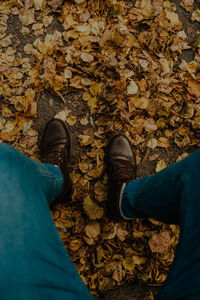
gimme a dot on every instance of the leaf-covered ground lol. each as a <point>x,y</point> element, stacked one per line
<point>104,67</point>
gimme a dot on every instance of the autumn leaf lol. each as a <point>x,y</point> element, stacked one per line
<point>92,230</point>
<point>75,245</point>
<point>160,242</point>
<point>92,210</point>
<point>71,120</point>
<point>194,87</point>
<point>129,263</point>
<point>26,16</point>
<point>160,165</point>
<point>132,88</point>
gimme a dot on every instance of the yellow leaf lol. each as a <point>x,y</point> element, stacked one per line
<point>163,142</point>
<point>96,89</point>
<point>160,165</point>
<point>92,230</point>
<point>194,87</point>
<point>38,4</point>
<point>86,57</point>
<point>63,114</point>
<point>84,121</point>
<point>71,120</point>
<point>86,96</point>
<point>92,102</point>
<point>85,140</point>
<point>196,15</point>
<point>132,88</point>
<point>152,143</point>
<point>173,17</point>
<point>26,16</point>
<point>129,264</point>
<point>75,245</point>
<point>92,210</point>
<point>139,260</point>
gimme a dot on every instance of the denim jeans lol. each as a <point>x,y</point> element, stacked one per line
<point>34,264</point>
<point>173,196</point>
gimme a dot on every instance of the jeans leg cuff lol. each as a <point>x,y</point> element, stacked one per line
<point>120,202</point>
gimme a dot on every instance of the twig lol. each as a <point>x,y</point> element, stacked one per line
<point>146,155</point>
<point>62,98</point>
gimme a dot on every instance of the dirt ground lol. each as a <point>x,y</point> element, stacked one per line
<point>49,105</point>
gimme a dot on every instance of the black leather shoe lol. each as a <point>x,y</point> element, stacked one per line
<point>121,168</point>
<point>56,150</point>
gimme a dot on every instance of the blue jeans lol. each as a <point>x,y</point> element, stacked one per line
<point>173,196</point>
<point>34,264</point>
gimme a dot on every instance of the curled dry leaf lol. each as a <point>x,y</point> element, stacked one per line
<point>163,142</point>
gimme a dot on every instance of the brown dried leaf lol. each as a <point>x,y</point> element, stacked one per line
<point>160,242</point>
<point>71,120</point>
<point>160,165</point>
<point>92,230</point>
<point>92,210</point>
<point>194,87</point>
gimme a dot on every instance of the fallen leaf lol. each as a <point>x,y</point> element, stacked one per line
<point>84,121</point>
<point>75,245</point>
<point>92,210</point>
<point>26,16</point>
<point>92,230</point>
<point>121,234</point>
<point>152,143</point>
<point>160,242</point>
<point>86,57</point>
<point>196,15</point>
<point>132,88</point>
<point>129,264</point>
<point>163,142</point>
<point>194,87</point>
<point>160,165</point>
<point>71,120</point>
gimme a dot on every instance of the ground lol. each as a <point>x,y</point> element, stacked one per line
<point>105,67</point>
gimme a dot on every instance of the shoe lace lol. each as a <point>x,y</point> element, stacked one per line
<point>124,173</point>
<point>55,157</point>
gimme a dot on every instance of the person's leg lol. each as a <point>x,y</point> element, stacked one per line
<point>173,196</point>
<point>34,263</point>
<point>158,196</point>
